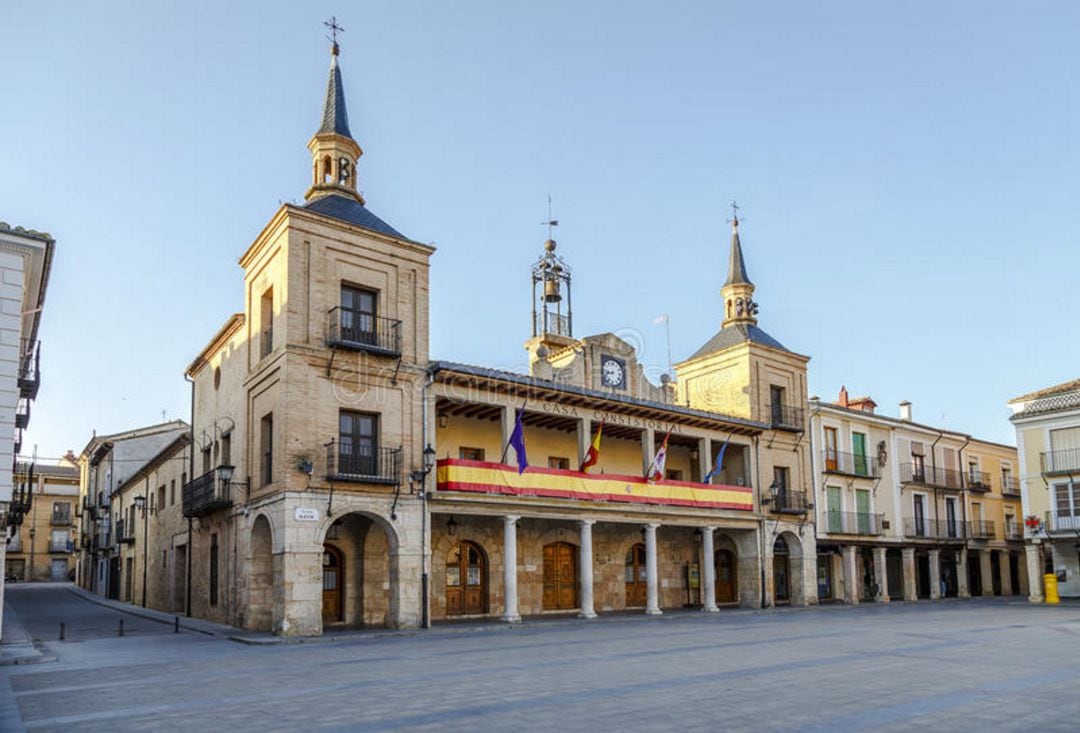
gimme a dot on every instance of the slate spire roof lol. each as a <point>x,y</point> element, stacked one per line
<point>335,116</point>
<point>736,267</point>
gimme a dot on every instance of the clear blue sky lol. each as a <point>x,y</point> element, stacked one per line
<point>907,171</point>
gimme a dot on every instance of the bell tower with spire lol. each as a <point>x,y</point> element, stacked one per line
<point>334,152</point>
<point>738,292</point>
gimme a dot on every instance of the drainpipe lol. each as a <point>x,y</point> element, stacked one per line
<point>191,477</point>
<point>964,498</point>
<point>761,533</point>
<point>425,600</point>
<point>937,491</point>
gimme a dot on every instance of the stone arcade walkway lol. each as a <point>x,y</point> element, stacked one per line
<point>955,665</point>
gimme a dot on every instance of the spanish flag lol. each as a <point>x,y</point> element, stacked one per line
<point>594,451</point>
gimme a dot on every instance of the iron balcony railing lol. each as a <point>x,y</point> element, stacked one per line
<point>1014,531</point>
<point>853,523</point>
<point>1060,461</point>
<point>60,546</point>
<point>61,518</point>
<point>981,529</point>
<point>29,378</point>
<point>935,529</point>
<point>942,478</point>
<point>14,544</point>
<point>360,331</point>
<point>374,466</point>
<point>851,464</point>
<point>208,493</point>
<point>125,532</point>
<point>1062,522</point>
<point>1010,486</point>
<point>977,480</point>
<point>22,413</point>
<point>789,501</point>
<point>786,417</point>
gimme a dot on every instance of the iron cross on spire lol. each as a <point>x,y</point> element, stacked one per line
<point>332,24</point>
<point>550,222</point>
<point>734,213</point>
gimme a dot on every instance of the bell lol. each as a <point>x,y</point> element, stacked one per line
<point>551,291</point>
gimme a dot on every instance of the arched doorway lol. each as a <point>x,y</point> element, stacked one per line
<point>333,566</point>
<point>560,577</point>
<point>781,571</point>
<point>466,580</point>
<point>635,576</point>
<point>727,590</point>
<point>260,606</point>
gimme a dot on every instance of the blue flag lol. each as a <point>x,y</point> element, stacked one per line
<point>517,442</point>
<point>719,466</point>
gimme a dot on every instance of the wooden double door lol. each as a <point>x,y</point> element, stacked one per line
<point>560,577</point>
<point>333,606</point>
<point>726,577</point>
<point>635,576</point>
<point>466,580</point>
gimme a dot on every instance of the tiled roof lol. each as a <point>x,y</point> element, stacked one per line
<point>737,334</point>
<point>1057,389</point>
<point>352,211</point>
<point>28,233</point>
<point>1054,403</point>
<point>736,264</point>
<point>335,116</point>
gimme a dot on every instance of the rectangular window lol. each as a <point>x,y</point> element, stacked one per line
<point>266,436</point>
<point>862,509</point>
<point>358,444</point>
<point>471,454</point>
<point>161,497</point>
<point>172,489</point>
<point>61,512</point>
<point>780,477</point>
<point>951,526</point>
<point>831,456</point>
<point>776,403</point>
<point>833,506</point>
<point>359,315</point>
<point>674,474</point>
<point>858,450</point>
<point>266,321</point>
<point>920,514</point>
<point>213,569</point>
<point>559,462</point>
<point>164,558</point>
<point>206,460</point>
<point>226,450</point>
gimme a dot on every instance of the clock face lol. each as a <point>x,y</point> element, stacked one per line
<point>612,372</point>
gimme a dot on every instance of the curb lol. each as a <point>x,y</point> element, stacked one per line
<point>139,612</point>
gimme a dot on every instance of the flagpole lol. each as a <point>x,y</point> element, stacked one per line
<point>506,447</point>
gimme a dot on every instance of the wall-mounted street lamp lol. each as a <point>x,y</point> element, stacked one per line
<point>140,504</point>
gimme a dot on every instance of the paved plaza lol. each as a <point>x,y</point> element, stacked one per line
<point>956,665</point>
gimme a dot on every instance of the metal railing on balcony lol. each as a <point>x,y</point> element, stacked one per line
<point>852,523</point>
<point>1010,486</point>
<point>786,417</point>
<point>935,529</point>
<point>14,544</point>
<point>29,378</point>
<point>125,532</point>
<point>942,478</point>
<point>61,517</point>
<point>1060,461</point>
<point>1062,522</point>
<point>376,466</point>
<point>208,493</point>
<point>851,464</point>
<point>360,331</point>
<point>789,501</point>
<point>22,413</point>
<point>64,546</point>
<point>1014,531</point>
<point>981,529</point>
<point>977,480</point>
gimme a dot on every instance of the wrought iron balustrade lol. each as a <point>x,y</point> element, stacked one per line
<point>360,331</point>
<point>1060,461</point>
<point>1062,522</point>
<point>125,532</point>
<point>863,523</point>
<point>1014,532</point>
<point>375,466</point>
<point>22,413</point>
<point>982,530</point>
<point>789,501</point>
<point>977,480</point>
<point>942,478</point>
<point>786,417</point>
<point>29,377</point>
<point>59,546</point>
<point>936,529</point>
<point>208,493</point>
<point>851,464</point>
<point>1010,486</point>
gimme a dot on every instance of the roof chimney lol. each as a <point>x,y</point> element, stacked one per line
<point>905,410</point>
<point>842,399</point>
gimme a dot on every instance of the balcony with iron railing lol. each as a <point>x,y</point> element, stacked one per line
<point>375,466</point>
<point>981,529</point>
<point>854,523</point>
<point>977,480</point>
<point>1060,461</point>
<point>788,501</point>
<point>1014,531</point>
<point>22,413</point>
<point>1010,486</point>
<point>14,543</point>
<point>125,532</point>
<point>942,478</point>
<point>60,546</point>
<point>360,331</point>
<point>949,530</point>
<point>29,378</point>
<point>851,464</point>
<point>786,417</point>
<point>208,493</point>
<point>1062,521</point>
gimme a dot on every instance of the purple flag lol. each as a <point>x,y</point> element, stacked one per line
<point>517,442</point>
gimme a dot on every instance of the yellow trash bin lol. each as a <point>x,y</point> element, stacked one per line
<point>1051,592</point>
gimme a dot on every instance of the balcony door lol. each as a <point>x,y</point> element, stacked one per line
<point>858,450</point>
<point>862,509</point>
<point>831,457</point>
<point>358,443</point>
<point>919,507</point>
<point>950,516</point>
<point>833,508</point>
<point>776,404</point>
<point>358,314</point>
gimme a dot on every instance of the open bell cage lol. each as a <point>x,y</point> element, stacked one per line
<point>550,280</point>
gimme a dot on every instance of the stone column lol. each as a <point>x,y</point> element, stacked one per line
<point>851,575</point>
<point>586,562</point>
<point>963,590</point>
<point>704,457</point>
<point>648,448</point>
<point>1023,583</point>
<point>987,572</point>
<point>911,593</point>
<point>881,573</point>
<point>935,575</point>
<point>652,594</point>
<point>1034,573</point>
<point>836,570</point>
<point>1006,573</point>
<point>708,569</point>
<point>507,417</point>
<point>510,613</point>
<point>584,438</point>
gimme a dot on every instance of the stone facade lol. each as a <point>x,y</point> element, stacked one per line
<point>42,546</point>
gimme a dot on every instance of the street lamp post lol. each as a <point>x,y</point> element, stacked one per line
<point>419,476</point>
<point>140,503</point>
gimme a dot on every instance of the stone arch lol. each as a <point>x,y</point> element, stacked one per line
<point>480,535</point>
<point>370,588</point>
<point>466,579</point>
<point>787,553</point>
<point>261,561</point>
<point>327,170</point>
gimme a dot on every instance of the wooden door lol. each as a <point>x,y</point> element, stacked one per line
<point>781,571</point>
<point>466,580</point>
<point>726,577</point>
<point>560,576</point>
<point>831,457</point>
<point>635,576</point>
<point>332,606</point>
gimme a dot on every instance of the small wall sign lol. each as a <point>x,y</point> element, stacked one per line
<point>306,514</point>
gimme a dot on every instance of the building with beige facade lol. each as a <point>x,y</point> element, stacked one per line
<point>1047,424</point>
<point>909,511</point>
<point>43,545</point>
